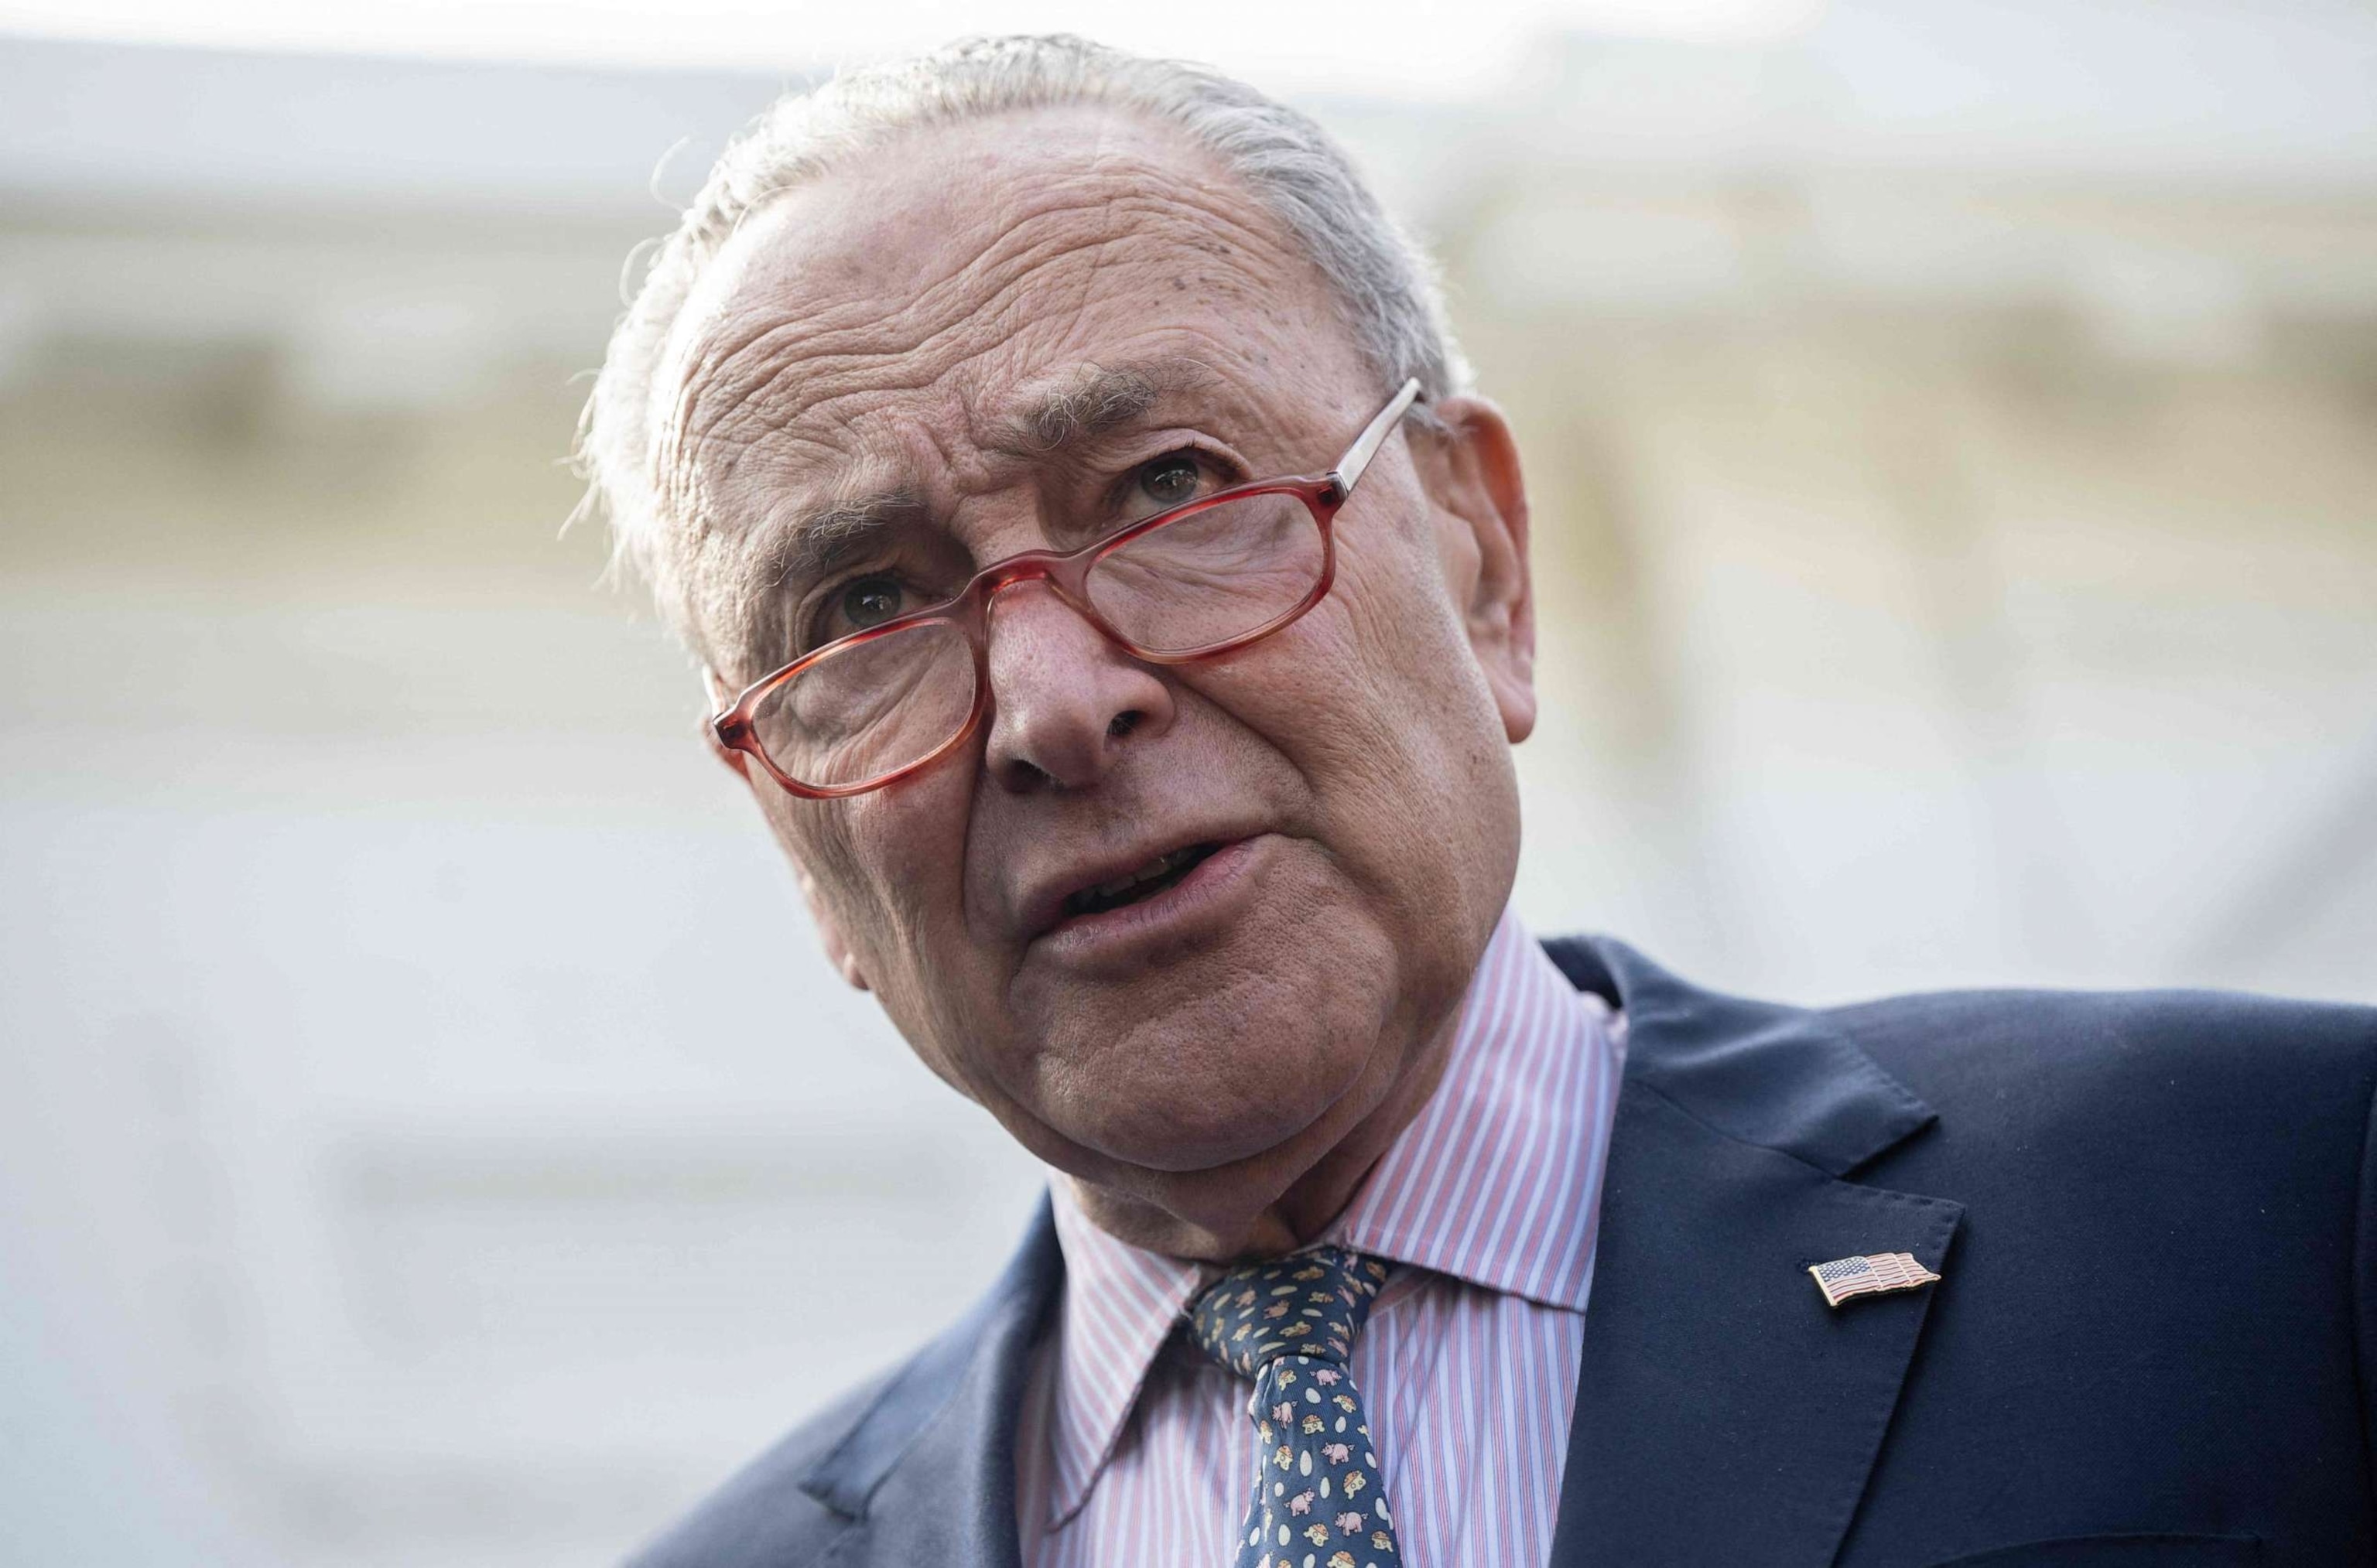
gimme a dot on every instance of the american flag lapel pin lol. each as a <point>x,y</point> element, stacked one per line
<point>1871,1275</point>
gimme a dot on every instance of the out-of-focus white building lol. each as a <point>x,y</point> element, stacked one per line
<point>426,1135</point>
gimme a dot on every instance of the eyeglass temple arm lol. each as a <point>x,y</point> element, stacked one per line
<point>722,703</point>
<point>1348,473</point>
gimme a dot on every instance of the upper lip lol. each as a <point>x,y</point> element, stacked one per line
<point>1042,903</point>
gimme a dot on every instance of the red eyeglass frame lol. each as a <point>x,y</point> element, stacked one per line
<point>733,731</point>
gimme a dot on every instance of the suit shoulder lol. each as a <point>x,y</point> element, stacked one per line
<point>2012,1030</point>
<point>761,1515</point>
<point>2218,1066</point>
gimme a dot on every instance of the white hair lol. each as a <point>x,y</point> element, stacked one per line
<point>1383,284</point>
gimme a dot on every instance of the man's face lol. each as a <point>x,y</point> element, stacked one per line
<point>1014,335</point>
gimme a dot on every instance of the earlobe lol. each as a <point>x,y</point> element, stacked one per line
<point>839,955</point>
<point>837,951</point>
<point>1484,486</point>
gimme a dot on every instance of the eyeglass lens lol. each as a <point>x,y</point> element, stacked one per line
<point>1200,583</point>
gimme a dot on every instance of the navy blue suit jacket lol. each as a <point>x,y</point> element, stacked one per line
<point>2152,1343</point>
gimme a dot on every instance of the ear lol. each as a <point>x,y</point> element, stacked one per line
<point>837,950</point>
<point>1475,477</point>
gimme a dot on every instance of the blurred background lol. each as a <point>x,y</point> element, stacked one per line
<point>427,1132</point>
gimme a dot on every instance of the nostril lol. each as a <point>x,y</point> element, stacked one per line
<point>1123,724</point>
<point>1024,777</point>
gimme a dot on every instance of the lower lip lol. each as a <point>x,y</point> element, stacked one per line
<point>1211,897</point>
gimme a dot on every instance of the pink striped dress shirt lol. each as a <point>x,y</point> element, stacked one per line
<point>1132,1449</point>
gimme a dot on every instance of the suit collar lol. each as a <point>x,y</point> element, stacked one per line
<point>1725,1414</point>
<point>1757,1072</point>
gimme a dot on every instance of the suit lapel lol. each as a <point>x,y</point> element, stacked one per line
<point>1723,1413</point>
<point>927,1474</point>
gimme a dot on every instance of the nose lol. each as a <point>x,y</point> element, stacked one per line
<point>1065,702</point>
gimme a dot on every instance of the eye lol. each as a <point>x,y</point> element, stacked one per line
<point>1171,479</point>
<point>859,603</point>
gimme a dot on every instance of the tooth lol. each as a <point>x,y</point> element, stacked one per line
<point>1163,865</point>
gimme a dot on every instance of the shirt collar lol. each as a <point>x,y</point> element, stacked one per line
<point>1497,1183</point>
<point>1497,1179</point>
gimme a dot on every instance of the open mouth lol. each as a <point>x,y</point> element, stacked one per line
<point>1149,880</point>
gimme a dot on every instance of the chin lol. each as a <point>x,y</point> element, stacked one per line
<point>1198,1083</point>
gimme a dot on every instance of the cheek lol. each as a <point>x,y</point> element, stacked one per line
<point>1397,614</point>
<point>1375,699</point>
<point>1415,668</point>
<point>1369,678</point>
<point>886,864</point>
<point>889,867</point>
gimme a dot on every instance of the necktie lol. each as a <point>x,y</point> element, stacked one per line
<point>1289,1324</point>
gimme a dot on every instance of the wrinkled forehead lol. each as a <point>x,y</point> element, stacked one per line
<point>913,321</point>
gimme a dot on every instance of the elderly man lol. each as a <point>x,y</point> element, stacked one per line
<point>1119,607</point>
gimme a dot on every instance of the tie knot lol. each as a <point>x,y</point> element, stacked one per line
<point>1307,1304</point>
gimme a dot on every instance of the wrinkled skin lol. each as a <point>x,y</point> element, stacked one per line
<point>879,331</point>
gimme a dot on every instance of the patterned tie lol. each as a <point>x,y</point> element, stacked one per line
<point>1289,1324</point>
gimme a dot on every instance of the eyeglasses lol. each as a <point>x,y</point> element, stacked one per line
<point>1193,583</point>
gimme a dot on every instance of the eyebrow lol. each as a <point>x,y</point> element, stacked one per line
<point>1102,400</point>
<point>815,539</point>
